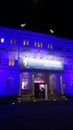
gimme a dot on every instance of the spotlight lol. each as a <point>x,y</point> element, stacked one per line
<point>51,30</point>
<point>23,25</point>
<point>13,103</point>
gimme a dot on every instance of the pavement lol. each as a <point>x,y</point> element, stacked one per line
<point>34,115</point>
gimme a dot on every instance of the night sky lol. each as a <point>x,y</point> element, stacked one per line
<point>39,15</point>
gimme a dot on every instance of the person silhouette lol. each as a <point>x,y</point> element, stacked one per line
<point>42,93</point>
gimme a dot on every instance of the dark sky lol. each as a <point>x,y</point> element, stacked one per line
<point>39,15</point>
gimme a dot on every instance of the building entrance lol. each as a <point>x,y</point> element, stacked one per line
<point>40,86</point>
<point>39,90</point>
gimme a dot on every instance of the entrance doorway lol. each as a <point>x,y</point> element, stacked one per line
<point>40,86</point>
<point>39,90</point>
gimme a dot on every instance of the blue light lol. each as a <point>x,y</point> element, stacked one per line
<point>33,59</point>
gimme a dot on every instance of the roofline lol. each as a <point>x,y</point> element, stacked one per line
<point>33,33</point>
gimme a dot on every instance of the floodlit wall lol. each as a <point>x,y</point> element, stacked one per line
<point>44,48</point>
<point>68,82</point>
<point>9,82</point>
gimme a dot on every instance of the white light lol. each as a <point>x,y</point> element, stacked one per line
<point>23,25</point>
<point>24,43</point>
<point>2,40</point>
<point>23,85</point>
<point>34,100</point>
<point>24,62</point>
<point>54,99</point>
<point>13,103</point>
<point>42,63</point>
<point>52,31</point>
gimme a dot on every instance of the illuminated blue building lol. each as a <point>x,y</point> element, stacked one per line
<point>31,62</point>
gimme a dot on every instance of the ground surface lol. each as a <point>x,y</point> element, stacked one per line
<point>49,115</point>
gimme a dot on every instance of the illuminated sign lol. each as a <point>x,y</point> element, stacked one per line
<point>39,59</point>
<point>42,64</point>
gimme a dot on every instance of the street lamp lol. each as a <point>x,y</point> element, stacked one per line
<point>51,30</point>
<point>23,25</point>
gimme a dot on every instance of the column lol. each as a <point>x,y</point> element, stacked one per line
<point>46,92</point>
<point>32,84</point>
<point>51,88</point>
<point>62,91</point>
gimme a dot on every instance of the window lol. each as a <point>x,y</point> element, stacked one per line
<point>26,43</point>
<point>1,40</point>
<point>12,41</point>
<point>39,44</point>
<point>59,48</point>
<point>11,60</point>
<point>68,50</point>
<point>35,44</point>
<point>50,46</point>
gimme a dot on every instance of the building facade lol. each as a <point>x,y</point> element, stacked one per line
<point>35,65</point>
